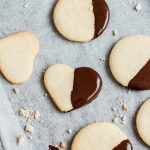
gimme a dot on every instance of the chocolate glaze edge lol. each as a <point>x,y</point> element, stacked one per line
<point>124,145</point>
<point>102,14</point>
<point>141,81</point>
<point>85,92</point>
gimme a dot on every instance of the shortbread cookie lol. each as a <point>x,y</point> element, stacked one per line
<point>81,20</point>
<point>101,136</point>
<point>72,88</point>
<point>130,62</point>
<point>143,122</point>
<point>17,53</point>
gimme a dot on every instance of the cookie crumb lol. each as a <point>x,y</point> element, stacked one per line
<point>69,131</point>
<point>37,114</point>
<point>114,109</point>
<point>30,137</point>
<point>16,91</point>
<point>116,120</point>
<point>63,144</point>
<point>45,94</point>
<point>29,128</point>
<point>20,139</point>
<point>124,107</point>
<point>115,32</point>
<point>138,7</point>
<point>102,59</point>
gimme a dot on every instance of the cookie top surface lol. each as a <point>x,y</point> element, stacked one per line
<point>130,62</point>
<point>81,20</point>
<point>143,122</point>
<point>101,136</point>
<point>72,88</point>
<point>17,53</point>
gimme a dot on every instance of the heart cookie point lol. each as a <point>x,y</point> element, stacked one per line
<point>17,53</point>
<point>72,88</point>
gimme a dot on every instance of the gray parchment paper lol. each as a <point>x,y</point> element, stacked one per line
<point>36,16</point>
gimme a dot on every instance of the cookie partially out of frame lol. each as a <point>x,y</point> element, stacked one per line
<point>101,136</point>
<point>81,20</point>
<point>72,88</point>
<point>130,62</point>
<point>17,54</point>
<point>143,122</point>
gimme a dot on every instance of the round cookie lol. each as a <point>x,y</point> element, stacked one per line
<point>130,62</point>
<point>101,136</point>
<point>143,122</point>
<point>72,88</point>
<point>81,20</point>
<point>17,54</point>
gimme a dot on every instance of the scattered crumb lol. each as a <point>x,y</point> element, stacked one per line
<point>20,139</point>
<point>102,59</point>
<point>115,32</point>
<point>29,128</point>
<point>116,120</point>
<point>30,137</point>
<point>69,131</point>
<point>16,91</point>
<point>37,114</point>
<point>138,7</point>
<point>114,109</point>
<point>124,107</point>
<point>63,144</point>
<point>45,94</point>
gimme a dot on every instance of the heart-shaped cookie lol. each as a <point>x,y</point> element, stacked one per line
<point>72,88</point>
<point>17,53</point>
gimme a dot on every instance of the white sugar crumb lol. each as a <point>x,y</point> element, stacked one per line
<point>138,7</point>
<point>20,139</point>
<point>29,128</point>
<point>115,32</point>
<point>37,114</point>
<point>16,91</point>
<point>69,131</point>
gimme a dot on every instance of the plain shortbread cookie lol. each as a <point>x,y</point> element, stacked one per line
<point>17,53</point>
<point>143,122</point>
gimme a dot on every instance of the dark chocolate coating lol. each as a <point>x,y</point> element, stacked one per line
<point>124,145</point>
<point>86,87</point>
<point>142,80</point>
<point>101,14</point>
<point>53,148</point>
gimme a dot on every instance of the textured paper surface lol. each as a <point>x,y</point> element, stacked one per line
<point>37,17</point>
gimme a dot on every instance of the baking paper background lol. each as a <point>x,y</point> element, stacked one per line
<point>36,16</point>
